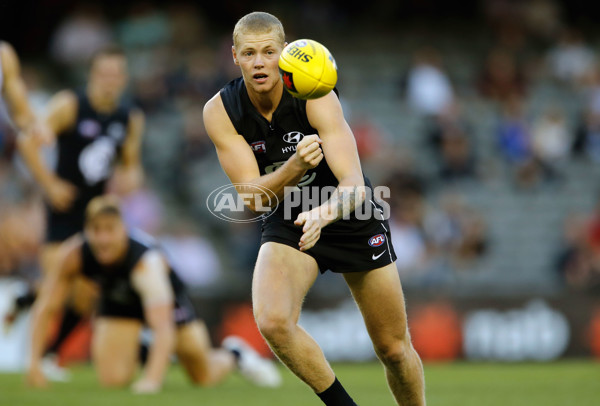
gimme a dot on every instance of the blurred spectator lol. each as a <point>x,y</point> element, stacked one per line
<point>406,226</point>
<point>551,140</point>
<point>428,88</point>
<point>145,27</point>
<point>457,231</point>
<point>571,58</point>
<point>80,35</point>
<point>542,18</point>
<point>578,261</point>
<point>187,26</point>
<point>449,136</point>
<point>587,137</point>
<point>501,78</point>
<point>514,140</point>
<point>369,137</point>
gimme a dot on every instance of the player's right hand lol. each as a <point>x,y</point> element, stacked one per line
<point>308,152</point>
<point>60,193</point>
<point>36,378</point>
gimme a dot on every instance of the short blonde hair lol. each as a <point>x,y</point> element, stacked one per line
<point>258,22</point>
<point>105,204</point>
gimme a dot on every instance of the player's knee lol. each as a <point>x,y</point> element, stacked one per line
<point>274,327</point>
<point>393,351</point>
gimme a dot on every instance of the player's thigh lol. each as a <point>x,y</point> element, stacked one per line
<point>115,349</point>
<point>282,277</point>
<point>192,347</point>
<point>379,296</point>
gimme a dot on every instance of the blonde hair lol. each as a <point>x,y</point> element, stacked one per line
<point>105,204</point>
<point>258,22</point>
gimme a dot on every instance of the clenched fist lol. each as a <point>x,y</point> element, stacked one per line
<point>308,152</point>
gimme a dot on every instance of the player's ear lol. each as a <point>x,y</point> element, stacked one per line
<point>235,60</point>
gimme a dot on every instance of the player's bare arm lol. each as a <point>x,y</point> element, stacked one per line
<point>238,161</point>
<point>14,90</point>
<point>339,147</point>
<point>50,300</point>
<point>150,278</point>
<point>129,174</point>
<point>62,115</point>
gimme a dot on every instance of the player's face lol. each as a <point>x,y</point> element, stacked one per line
<point>108,76</point>
<point>258,56</point>
<point>107,237</point>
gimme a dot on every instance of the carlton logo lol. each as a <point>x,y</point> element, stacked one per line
<point>293,137</point>
<point>377,240</point>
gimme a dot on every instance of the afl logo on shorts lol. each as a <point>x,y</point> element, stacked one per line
<point>377,240</point>
<point>293,137</point>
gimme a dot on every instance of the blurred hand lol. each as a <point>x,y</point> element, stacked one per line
<point>60,193</point>
<point>36,379</point>
<point>145,386</point>
<point>41,133</point>
<point>312,224</point>
<point>308,152</point>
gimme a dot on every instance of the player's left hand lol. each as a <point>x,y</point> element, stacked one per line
<point>145,386</point>
<point>312,223</point>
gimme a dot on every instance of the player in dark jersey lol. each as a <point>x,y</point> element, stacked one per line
<point>265,137</point>
<point>137,285</point>
<point>97,135</point>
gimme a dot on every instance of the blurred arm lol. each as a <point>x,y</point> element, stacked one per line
<point>150,279</point>
<point>52,296</point>
<point>129,174</point>
<point>62,114</point>
<point>14,88</point>
<point>339,147</point>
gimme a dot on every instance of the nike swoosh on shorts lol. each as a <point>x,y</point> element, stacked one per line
<point>374,257</point>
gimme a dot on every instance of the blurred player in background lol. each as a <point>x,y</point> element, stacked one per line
<point>94,130</point>
<point>137,285</point>
<point>256,109</point>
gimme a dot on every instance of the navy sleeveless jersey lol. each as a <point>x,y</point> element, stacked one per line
<point>87,152</point>
<point>273,143</point>
<point>118,296</point>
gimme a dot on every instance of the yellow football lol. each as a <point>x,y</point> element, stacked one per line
<point>307,69</point>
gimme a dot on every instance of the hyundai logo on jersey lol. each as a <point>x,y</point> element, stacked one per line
<point>293,137</point>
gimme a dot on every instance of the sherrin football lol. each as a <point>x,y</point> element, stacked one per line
<point>307,69</point>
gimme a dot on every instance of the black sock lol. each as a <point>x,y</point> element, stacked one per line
<point>236,355</point>
<point>144,351</point>
<point>336,395</point>
<point>69,321</point>
<point>24,301</point>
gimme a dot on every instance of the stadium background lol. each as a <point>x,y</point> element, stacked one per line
<point>482,116</point>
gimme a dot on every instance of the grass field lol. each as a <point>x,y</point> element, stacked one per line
<point>458,384</point>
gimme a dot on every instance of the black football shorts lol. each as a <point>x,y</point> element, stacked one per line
<point>357,246</point>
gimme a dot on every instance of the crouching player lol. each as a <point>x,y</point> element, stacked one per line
<point>137,286</point>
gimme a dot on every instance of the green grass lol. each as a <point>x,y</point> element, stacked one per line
<point>457,384</point>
